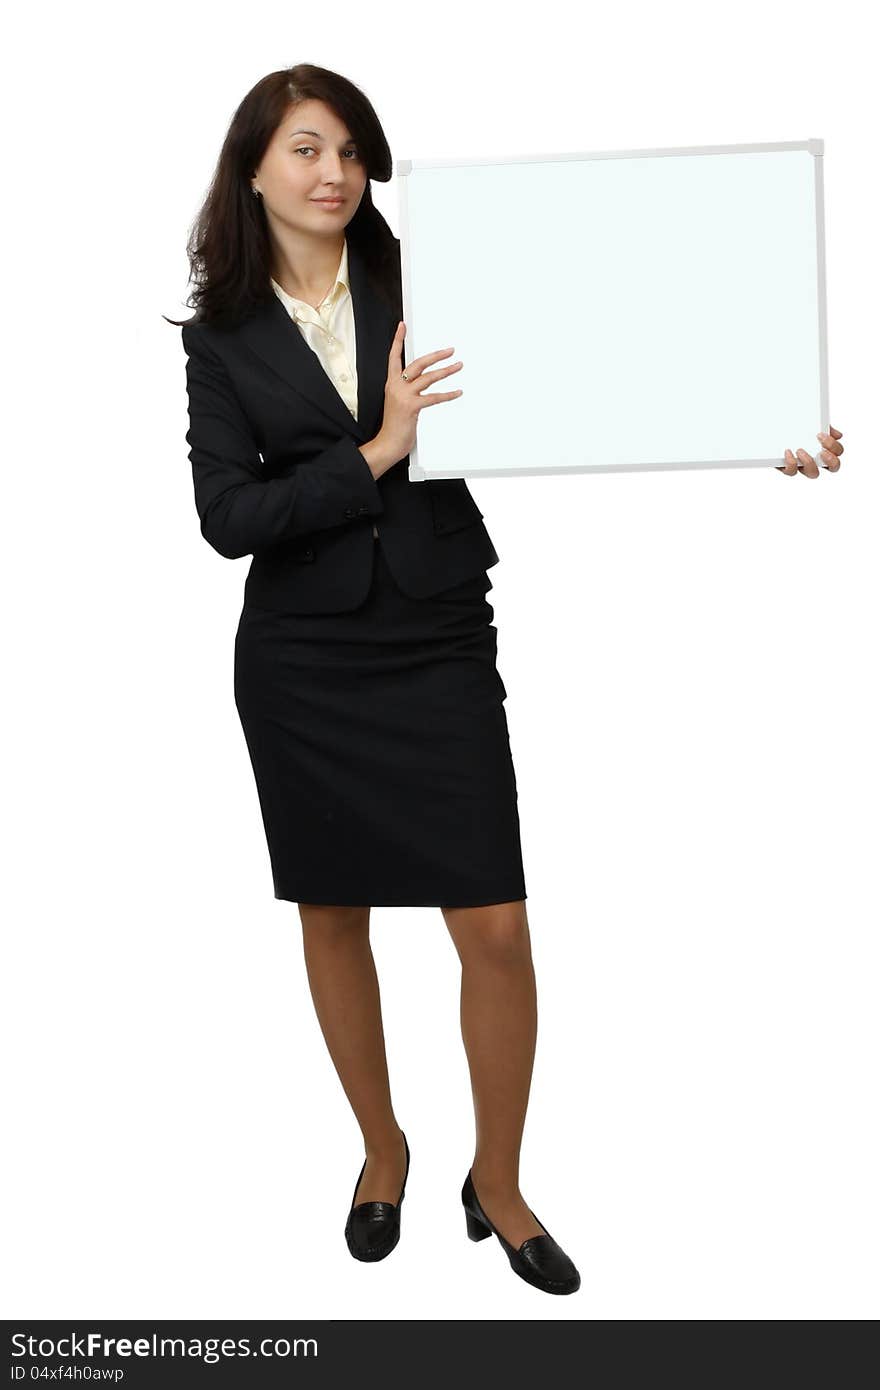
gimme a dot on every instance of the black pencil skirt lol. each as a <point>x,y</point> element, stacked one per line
<point>380,749</point>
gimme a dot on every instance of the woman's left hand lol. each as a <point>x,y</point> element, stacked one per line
<point>806,464</point>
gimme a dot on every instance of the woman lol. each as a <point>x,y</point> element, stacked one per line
<point>365,671</point>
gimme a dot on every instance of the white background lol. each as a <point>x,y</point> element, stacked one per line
<point>691,661</point>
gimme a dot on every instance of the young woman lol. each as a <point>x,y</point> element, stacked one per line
<point>365,656</point>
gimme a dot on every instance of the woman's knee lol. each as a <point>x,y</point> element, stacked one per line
<point>497,934</point>
<point>328,925</point>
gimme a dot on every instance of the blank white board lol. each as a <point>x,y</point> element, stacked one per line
<point>617,310</point>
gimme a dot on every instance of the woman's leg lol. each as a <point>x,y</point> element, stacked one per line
<point>345,990</point>
<point>499,1021</point>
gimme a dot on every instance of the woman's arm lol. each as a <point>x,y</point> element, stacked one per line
<point>241,512</point>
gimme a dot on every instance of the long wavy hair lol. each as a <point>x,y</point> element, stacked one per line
<point>229,248</point>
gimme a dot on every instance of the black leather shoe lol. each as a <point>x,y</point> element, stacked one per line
<point>373,1228</point>
<point>539,1260</point>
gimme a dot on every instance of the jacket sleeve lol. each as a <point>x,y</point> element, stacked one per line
<point>241,512</point>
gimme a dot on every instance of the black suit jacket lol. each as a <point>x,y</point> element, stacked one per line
<point>278,474</point>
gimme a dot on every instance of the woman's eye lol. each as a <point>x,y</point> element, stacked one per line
<point>302,148</point>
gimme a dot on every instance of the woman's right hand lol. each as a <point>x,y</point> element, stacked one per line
<point>403,399</point>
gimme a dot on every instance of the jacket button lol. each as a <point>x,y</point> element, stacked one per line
<point>362,511</point>
<point>349,511</point>
<point>309,554</point>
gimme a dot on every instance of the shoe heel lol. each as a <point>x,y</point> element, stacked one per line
<point>475,1228</point>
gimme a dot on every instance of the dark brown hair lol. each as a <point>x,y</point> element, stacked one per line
<point>229,248</point>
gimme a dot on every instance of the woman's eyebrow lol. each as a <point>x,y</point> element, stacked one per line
<point>317,134</point>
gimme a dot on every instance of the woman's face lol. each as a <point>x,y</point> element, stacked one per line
<point>311,156</point>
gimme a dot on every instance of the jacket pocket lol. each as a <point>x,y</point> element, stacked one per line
<point>297,552</point>
<point>452,505</point>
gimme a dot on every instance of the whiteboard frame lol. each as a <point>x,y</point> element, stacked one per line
<point>815,147</point>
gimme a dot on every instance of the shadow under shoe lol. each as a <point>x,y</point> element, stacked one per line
<point>539,1260</point>
<point>373,1228</point>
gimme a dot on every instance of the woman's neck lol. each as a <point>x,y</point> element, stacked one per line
<point>307,270</point>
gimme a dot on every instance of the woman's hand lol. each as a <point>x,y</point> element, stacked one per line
<point>403,400</point>
<point>830,456</point>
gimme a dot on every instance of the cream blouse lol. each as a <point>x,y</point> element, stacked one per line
<point>329,332</point>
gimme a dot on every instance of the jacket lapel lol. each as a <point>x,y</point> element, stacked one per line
<point>273,335</point>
